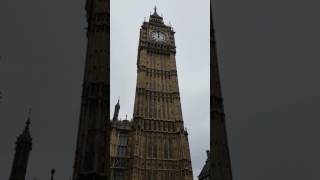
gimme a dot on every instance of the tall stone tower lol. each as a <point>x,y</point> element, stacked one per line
<point>220,168</point>
<point>154,145</point>
<point>22,152</point>
<point>161,147</point>
<point>91,157</point>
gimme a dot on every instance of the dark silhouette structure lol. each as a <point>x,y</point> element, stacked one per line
<point>92,152</point>
<point>53,171</point>
<point>22,152</point>
<point>220,168</point>
<point>116,111</point>
<point>205,172</point>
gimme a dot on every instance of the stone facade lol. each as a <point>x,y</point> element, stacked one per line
<point>91,156</point>
<point>154,144</point>
<point>205,171</point>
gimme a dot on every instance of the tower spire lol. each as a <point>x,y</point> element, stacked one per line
<point>116,110</point>
<point>28,122</point>
<point>155,13</point>
<point>22,152</point>
<point>219,153</point>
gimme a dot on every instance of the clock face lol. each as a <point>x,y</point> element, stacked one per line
<point>158,36</point>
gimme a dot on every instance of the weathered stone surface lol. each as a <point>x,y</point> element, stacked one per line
<point>91,158</point>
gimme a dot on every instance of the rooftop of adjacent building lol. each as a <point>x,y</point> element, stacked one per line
<point>205,172</point>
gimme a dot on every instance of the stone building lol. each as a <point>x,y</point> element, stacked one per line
<point>92,152</point>
<point>154,144</point>
<point>205,172</point>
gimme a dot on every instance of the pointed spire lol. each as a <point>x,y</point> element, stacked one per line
<point>25,135</point>
<point>22,152</point>
<point>118,103</point>
<point>116,110</point>
<point>28,122</point>
<point>219,153</point>
<point>155,14</point>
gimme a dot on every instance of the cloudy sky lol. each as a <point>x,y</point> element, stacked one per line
<point>190,20</point>
<point>269,66</point>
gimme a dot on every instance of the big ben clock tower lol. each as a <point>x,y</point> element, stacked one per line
<point>162,142</point>
<point>155,141</point>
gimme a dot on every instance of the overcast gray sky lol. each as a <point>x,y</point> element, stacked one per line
<point>190,20</point>
<point>269,67</point>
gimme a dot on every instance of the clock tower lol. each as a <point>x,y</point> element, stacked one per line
<point>154,145</point>
<point>162,142</point>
